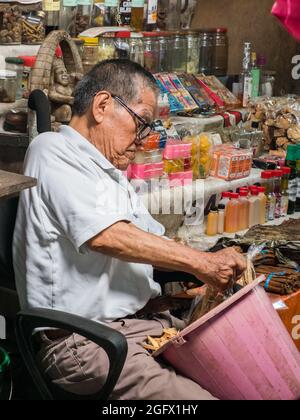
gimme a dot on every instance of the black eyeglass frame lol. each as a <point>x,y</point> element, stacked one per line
<point>145,128</point>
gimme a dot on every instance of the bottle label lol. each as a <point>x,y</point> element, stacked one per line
<point>255,82</point>
<point>152,12</point>
<point>51,5</point>
<point>284,205</point>
<point>293,190</point>
<point>271,208</point>
<point>137,3</point>
<point>111,3</point>
<point>247,90</point>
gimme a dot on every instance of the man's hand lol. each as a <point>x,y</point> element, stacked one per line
<point>221,268</point>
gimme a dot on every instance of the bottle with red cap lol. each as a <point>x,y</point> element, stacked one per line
<point>277,191</point>
<point>263,204</point>
<point>254,207</point>
<point>232,214</point>
<point>286,171</point>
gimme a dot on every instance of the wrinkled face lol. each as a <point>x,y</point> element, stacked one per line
<point>61,76</point>
<point>117,138</point>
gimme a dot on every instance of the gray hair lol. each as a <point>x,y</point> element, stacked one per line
<point>121,78</point>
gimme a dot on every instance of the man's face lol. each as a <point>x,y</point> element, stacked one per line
<point>118,130</point>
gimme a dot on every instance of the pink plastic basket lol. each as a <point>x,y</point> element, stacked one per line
<point>239,351</point>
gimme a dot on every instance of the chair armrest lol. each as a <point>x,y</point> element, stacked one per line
<point>113,342</point>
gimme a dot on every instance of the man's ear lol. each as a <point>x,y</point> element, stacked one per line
<point>102,101</point>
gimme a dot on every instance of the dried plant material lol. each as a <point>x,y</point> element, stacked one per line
<point>249,276</point>
<point>154,344</point>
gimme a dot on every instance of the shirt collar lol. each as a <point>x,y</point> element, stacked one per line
<point>86,146</point>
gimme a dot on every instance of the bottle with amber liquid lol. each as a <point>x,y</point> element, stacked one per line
<point>137,14</point>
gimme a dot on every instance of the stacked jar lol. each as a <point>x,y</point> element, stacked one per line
<point>83,15</point>
<point>151,51</point>
<point>90,53</point>
<point>10,23</point>
<point>206,51</point>
<point>220,52</point>
<point>193,52</point>
<point>107,48</point>
<point>136,51</point>
<point>52,14</point>
<point>67,17</point>
<point>163,52</point>
<point>122,44</point>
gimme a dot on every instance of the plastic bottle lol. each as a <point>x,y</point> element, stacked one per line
<point>263,204</point>
<point>225,198</point>
<point>298,178</point>
<point>212,222</point>
<point>254,208</point>
<point>291,158</point>
<point>137,14</point>
<point>277,191</point>
<point>285,191</point>
<point>244,210</point>
<point>232,214</point>
<point>221,219</point>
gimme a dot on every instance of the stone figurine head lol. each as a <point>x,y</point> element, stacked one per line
<point>60,73</point>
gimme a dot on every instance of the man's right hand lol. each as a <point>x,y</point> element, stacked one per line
<point>220,268</point>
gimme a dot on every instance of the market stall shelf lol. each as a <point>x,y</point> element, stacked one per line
<point>12,184</point>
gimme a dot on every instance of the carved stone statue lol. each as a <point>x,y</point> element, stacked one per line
<point>61,92</point>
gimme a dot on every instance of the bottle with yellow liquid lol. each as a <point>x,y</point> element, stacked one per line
<point>137,14</point>
<point>212,222</point>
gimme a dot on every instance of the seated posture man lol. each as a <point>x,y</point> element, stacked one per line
<point>85,244</point>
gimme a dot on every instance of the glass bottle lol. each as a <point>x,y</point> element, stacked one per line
<point>255,73</point>
<point>206,51</point>
<point>125,12</point>
<point>246,77</point>
<point>67,16</point>
<point>83,15</point>
<point>111,12</point>
<point>98,16</point>
<point>151,51</point>
<point>163,53</point>
<point>193,52</point>
<point>220,55</point>
<point>277,191</point>
<point>291,163</point>
<point>90,55</point>
<point>137,14</point>
<point>136,52</point>
<point>150,23</point>
<point>52,10</point>
<point>267,182</point>
<point>169,14</point>
<point>179,53</point>
<point>285,191</point>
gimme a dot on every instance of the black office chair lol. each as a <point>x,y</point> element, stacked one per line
<point>113,342</point>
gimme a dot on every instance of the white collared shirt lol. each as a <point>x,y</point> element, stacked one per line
<point>79,194</point>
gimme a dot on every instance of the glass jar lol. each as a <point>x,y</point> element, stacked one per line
<point>10,23</point>
<point>52,10</point>
<point>122,45</point>
<point>169,14</point>
<point>137,48</point>
<point>8,86</point>
<point>33,27</point>
<point>67,16</point>
<point>107,48</point>
<point>151,51</point>
<point>83,16</point>
<point>206,51</point>
<point>98,15</point>
<point>16,64</point>
<point>151,15</point>
<point>179,53</point>
<point>137,14</point>
<point>111,12</point>
<point>90,53</point>
<point>163,53</point>
<point>220,55</point>
<point>193,52</point>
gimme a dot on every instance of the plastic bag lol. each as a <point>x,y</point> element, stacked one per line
<point>288,13</point>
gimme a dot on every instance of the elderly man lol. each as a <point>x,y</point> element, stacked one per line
<point>84,243</point>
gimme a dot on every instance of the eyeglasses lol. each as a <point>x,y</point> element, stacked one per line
<point>143,127</point>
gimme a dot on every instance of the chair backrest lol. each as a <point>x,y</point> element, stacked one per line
<point>8,212</point>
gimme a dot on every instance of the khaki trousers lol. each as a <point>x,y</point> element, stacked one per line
<point>80,366</point>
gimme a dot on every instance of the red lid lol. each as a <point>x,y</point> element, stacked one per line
<point>226,194</point>
<point>221,30</point>
<point>261,189</point>
<point>58,52</point>
<point>244,189</point>
<point>277,173</point>
<point>243,193</point>
<point>286,170</point>
<point>254,191</point>
<point>266,174</point>
<point>152,34</point>
<point>29,60</point>
<point>254,187</point>
<point>123,34</point>
<point>234,195</point>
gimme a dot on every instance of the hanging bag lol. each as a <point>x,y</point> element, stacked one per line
<point>288,13</point>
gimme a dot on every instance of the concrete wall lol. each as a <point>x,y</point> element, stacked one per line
<point>251,21</point>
